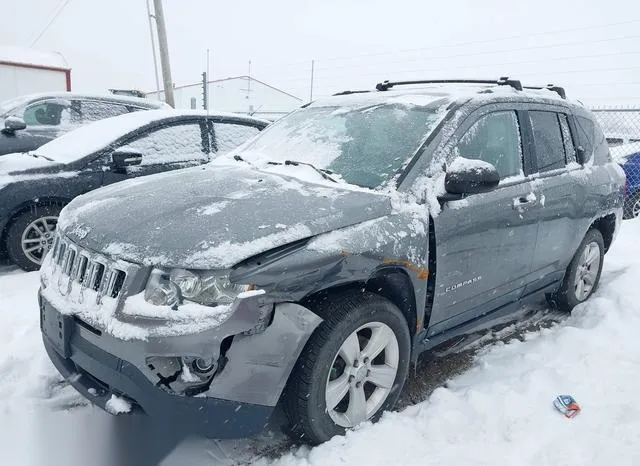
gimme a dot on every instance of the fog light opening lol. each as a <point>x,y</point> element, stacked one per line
<point>203,365</point>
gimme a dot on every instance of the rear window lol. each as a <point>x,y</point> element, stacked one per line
<point>592,139</point>
<point>548,140</point>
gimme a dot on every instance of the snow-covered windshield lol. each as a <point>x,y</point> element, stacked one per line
<point>365,145</point>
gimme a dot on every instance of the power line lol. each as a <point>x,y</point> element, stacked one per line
<point>458,44</point>
<point>57,13</point>
<point>453,45</point>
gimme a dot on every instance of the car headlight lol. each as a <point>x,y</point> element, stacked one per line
<point>172,287</point>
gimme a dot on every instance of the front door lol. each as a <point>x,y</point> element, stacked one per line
<point>485,242</point>
<point>164,148</point>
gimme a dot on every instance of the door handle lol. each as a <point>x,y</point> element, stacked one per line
<point>525,202</point>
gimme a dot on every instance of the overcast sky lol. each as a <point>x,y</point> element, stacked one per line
<point>591,47</point>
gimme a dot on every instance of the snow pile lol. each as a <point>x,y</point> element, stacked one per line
<point>500,411</point>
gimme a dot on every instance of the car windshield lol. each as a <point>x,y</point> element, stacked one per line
<point>366,145</point>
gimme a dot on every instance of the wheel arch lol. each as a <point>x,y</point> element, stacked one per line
<point>607,227</point>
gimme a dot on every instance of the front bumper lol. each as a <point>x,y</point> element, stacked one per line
<point>238,401</point>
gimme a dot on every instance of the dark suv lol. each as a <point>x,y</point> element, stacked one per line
<point>314,264</point>
<point>34,186</point>
<point>32,120</point>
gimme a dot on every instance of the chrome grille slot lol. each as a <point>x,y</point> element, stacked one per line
<point>91,271</point>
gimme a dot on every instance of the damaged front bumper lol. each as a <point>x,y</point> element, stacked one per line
<point>236,397</point>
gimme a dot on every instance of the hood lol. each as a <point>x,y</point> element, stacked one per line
<point>22,161</point>
<point>211,217</point>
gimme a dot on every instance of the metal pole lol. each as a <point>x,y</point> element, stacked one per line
<point>206,85</point>
<point>153,49</point>
<point>249,90</point>
<point>164,53</point>
<point>313,65</point>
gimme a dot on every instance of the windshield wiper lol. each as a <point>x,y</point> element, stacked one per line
<point>324,173</point>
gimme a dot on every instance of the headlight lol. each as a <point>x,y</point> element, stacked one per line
<point>170,288</point>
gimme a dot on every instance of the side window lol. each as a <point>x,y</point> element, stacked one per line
<point>548,141</point>
<point>585,135</point>
<point>170,144</point>
<point>47,113</point>
<point>93,110</point>
<point>230,135</point>
<point>570,150</point>
<point>495,138</point>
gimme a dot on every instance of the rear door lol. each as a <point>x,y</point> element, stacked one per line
<point>168,146</point>
<point>562,183</point>
<point>485,242</point>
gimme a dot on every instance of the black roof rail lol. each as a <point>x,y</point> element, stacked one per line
<point>557,89</point>
<point>503,81</point>
<point>350,92</point>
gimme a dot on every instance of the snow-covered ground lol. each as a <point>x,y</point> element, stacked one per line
<point>499,411</point>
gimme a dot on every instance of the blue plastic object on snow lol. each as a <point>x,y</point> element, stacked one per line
<point>567,405</point>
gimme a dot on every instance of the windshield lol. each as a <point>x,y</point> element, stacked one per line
<point>366,146</point>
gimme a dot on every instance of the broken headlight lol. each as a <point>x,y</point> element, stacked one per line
<point>172,287</point>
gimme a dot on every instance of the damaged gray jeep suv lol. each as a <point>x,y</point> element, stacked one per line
<point>314,264</point>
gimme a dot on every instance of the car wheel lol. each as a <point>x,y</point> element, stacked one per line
<point>352,368</point>
<point>31,235</point>
<point>583,274</point>
<point>632,206</point>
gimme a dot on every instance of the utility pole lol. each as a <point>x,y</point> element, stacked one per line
<point>164,53</point>
<point>153,49</point>
<point>313,65</point>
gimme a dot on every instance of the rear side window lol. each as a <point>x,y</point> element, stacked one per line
<point>229,135</point>
<point>93,110</point>
<point>569,147</point>
<point>547,137</point>
<point>494,138</point>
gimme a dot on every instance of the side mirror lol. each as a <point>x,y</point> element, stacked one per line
<point>13,124</point>
<point>466,176</point>
<point>580,155</point>
<point>121,159</point>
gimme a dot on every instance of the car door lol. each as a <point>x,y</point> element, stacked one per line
<point>485,242</point>
<point>167,146</point>
<point>562,184</point>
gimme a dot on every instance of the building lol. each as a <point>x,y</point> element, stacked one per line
<point>27,71</point>
<point>240,94</point>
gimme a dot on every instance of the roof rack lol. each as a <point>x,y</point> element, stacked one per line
<point>504,81</point>
<point>557,89</point>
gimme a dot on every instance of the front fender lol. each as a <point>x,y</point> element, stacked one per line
<point>259,365</point>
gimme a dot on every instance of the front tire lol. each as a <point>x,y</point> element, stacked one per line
<point>583,274</point>
<point>31,235</point>
<point>352,368</point>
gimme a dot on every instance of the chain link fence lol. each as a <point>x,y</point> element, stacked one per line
<point>621,127</point>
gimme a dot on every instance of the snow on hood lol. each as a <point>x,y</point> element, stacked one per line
<point>207,218</point>
<point>19,161</point>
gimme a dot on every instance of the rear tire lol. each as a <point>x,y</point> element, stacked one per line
<point>31,234</point>
<point>335,368</point>
<point>583,274</point>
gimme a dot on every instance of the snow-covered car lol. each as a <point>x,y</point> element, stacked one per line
<point>33,120</point>
<point>312,265</point>
<point>34,186</point>
<point>628,156</point>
